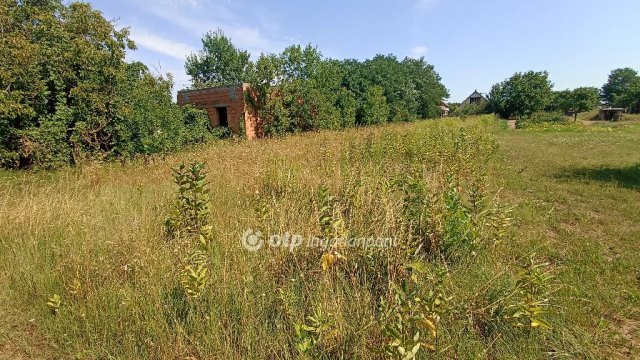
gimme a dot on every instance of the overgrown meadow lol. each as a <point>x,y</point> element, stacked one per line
<point>142,261</point>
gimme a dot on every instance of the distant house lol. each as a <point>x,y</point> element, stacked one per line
<point>475,98</point>
<point>444,107</point>
<point>227,107</point>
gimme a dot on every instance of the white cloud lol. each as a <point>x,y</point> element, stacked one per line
<point>418,51</point>
<point>161,45</point>
<point>185,21</point>
<point>200,16</point>
<point>246,37</point>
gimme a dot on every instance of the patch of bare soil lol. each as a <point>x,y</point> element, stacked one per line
<point>629,330</point>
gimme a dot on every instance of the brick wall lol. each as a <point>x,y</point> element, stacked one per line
<point>231,97</point>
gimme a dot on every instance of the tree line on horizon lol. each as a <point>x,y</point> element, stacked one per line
<point>531,92</point>
<point>301,90</point>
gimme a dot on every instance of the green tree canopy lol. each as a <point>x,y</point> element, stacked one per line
<point>522,94</point>
<point>427,83</point>
<point>394,79</point>
<point>299,89</point>
<point>623,89</point>
<point>219,62</point>
<point>412,87</point>
<point>66,92</point>
<point>584,99</point>
<point>575,101</point>
<point>561,101</point>
<point>375,109</point>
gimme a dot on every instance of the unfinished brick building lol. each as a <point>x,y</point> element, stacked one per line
<point>226,106</point>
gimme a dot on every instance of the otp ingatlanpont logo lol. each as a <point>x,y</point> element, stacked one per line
<point>252,240</point>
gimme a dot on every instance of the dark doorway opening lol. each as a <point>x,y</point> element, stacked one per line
<point>223,120</point>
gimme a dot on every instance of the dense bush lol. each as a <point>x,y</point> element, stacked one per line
<point>68,94</point>
<point>468,109</point>
<point>540,117</point>
<point>150,123</point>
<point>308,95</point>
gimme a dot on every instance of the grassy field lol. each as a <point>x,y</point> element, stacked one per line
<point>577,191</point>
<point>87,269</point>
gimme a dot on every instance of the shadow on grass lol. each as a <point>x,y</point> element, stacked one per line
<point>626,177</point>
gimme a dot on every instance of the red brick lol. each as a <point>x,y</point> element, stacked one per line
<point>231,97</point>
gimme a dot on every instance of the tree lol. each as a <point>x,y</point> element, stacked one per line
<point>300,90</point>
<point>348,107</point>
<point>67,93</point>
<point>398,87</point>
<point>584,99</point>
<point>623,89</point>
<point>412,87</point>
<point>297,90</point>
<point>575,101</point>
<point>309,86</point>
<point>428,86</point>
<point>61,66</point>
<point>561,101</point>
<point>218,63</point>
<point>375,109</point>
<point>263,76</point>
<point>522,94</point>
<point>632,97</point>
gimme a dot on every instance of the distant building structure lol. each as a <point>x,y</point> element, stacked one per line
<point>226,106</point>
<point>444,107</point>
<point>475,98</point>
<point>611,114</point>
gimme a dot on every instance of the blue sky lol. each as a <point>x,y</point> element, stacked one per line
<point>472,44</point>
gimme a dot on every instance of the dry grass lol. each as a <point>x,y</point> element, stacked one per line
<point>95,237</point>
